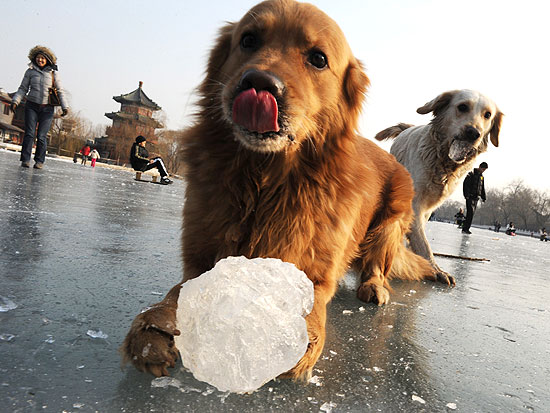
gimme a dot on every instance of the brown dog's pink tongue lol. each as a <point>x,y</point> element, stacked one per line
<point>256,112</point>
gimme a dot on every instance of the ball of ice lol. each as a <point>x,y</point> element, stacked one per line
<point>242,323</point>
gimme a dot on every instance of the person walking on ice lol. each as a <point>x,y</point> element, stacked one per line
<point>473,189</point>
<point>94,156</point>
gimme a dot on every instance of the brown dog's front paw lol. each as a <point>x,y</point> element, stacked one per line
<point>371,292</point>
<point>302,371</point>
<point>149,344</point>
<point>445,278</point>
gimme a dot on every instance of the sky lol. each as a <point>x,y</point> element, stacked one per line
<point>412,51</point>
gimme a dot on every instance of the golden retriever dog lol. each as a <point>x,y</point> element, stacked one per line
<point>438,155</point>
<point>275,169</point>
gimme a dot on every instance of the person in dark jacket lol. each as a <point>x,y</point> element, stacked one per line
<point>139,159</point>
<point>38,79</point>
<point>473,189</point>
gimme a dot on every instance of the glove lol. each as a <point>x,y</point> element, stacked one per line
<point>13,106</point>
<point>64,112</point>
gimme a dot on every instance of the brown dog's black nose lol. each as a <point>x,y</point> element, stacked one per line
<point>471,133</point>
<point>261,80</point>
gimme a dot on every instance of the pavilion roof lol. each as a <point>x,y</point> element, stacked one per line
<point>138,97</point>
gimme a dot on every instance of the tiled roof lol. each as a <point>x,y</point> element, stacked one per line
<point>139,97</point>
<point>134,116</point>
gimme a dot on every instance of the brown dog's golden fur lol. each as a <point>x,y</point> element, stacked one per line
<point>313,193</point>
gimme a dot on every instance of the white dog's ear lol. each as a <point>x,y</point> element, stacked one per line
<point>438,104</point>
<point>495,130</point>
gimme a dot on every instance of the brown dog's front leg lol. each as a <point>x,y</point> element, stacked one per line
<point>149,345</point>
<point>316,321</point>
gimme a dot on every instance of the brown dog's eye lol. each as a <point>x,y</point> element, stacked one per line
<point>463,108</point>
<point>317,59</point>
<point>487,115</point>
<point>249,41</point>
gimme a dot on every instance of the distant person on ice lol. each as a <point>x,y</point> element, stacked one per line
<point>473,188</point>
<point>459,217</point>
<point>94,156</point>
<point>37,81</point>
<point>85,151</point>
<point>139,158</point>
<point>510,229</point>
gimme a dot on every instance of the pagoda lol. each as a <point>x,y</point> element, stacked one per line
<point>134,118</point>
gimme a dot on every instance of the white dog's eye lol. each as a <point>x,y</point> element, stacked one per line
<point>463,108</point>
<point>487,115</point>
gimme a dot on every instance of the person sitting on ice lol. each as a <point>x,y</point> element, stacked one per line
<point>510,229</point>
<point>543,235</point>
<point>139,159</point>
<point>460,218</point>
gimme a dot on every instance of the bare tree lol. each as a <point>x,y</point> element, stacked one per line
<point>541,208</point>
<point>169,147</point>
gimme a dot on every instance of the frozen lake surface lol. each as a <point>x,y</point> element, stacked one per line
<point>82,251</point>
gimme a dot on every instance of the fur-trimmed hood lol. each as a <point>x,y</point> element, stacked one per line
<point>48,53</point>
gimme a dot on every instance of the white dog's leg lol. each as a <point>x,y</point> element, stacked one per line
<point>419,245</point>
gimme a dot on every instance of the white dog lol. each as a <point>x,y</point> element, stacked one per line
<point>438,155</point>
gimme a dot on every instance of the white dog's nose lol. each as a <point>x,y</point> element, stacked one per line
<point>471,133</point>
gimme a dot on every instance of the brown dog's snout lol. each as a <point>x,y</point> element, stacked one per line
<point>260,80</point>
<point>471,133</point>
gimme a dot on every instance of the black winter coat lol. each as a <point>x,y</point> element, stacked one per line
<point>139,157</point>
<point>474,185</point>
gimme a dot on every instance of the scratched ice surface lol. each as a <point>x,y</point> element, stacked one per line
<point>84,249</point>
<point>242,323</point>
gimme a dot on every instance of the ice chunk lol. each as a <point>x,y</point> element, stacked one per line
<point>242,323</point>
<point>327,407</point>
<point>96,334</point>
<point>418,399</point>
<point>6,304</point>
<point>6,337</point>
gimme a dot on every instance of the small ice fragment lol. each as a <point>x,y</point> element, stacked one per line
<point>6,337</point>
<point>316,380</point>
<point>156,293</point>
<point>78,405</point>
<point>377,369</point>
<point>6,304</point>
<point>239,315</point>
<point>80,367</point>
<point>146,349</point>
<point>327,407</point>
<point>347,312</point>
<point>333,352</point>
<point>208,391</point>
<point>390,326</point>
<point>451,406</point>
<point>418,399</point>
<point>96,334</point>
<point>50,340</point>
<point>412,291</point>
<point>361,309</point>
<point>165,381</point>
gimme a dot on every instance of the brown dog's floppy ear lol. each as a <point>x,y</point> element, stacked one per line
<point>495,130</point>
<point>438,104</point>
<point>356,84</point>
<point>220,52</point>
